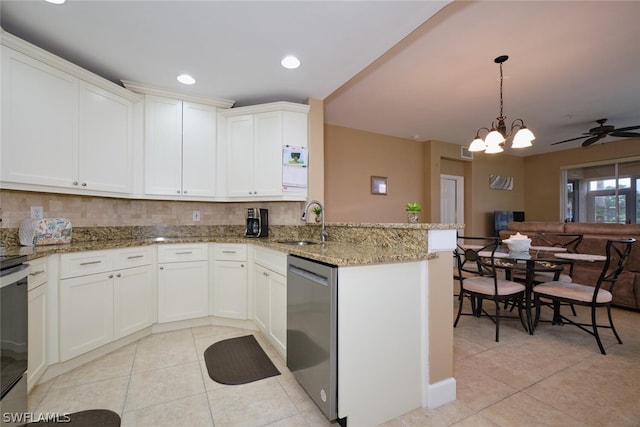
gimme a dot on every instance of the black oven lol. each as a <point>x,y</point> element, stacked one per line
<point>13,335</point>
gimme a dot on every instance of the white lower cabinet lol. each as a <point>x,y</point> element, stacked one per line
<point>270,296</point>
<point>230,281</point>
<point>104,296</point>
<point>86,313</point>
<point>183,282</point>
<point>132,300</point>
<point>37,308</point>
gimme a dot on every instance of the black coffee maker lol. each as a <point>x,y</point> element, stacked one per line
<point>257,222</point>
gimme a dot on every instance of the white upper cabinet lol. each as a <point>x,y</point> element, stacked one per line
<point>180,148</point>
<point>253,141</point>
<point>105,140</point>
<point>39,122</point>
<point>61,133</point>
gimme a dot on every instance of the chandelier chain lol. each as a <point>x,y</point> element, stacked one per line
<point>501,101</point>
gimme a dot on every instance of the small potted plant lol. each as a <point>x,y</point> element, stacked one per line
<point>412,211</point>
<point>318,211</point>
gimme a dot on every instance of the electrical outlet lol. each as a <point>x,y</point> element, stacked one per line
<point>196,215</point>
<point>37,212</point>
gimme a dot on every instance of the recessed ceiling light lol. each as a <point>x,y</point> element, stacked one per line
<point>290,62</point>
<point>186,79</point>
<point>56,1</point>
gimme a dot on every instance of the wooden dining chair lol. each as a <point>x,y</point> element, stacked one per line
<point>479,280</point>
<point>600,295</point>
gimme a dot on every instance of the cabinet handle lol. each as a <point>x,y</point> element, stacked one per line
<point>135,256</point>
<point>161,268</point>
<point>178,191</point>
<point>111,276</point>
<point>35,273</point>
<point>184,253</point>
<point>84,184</point>
<point>228,252</point>
<point>184,192</point>
<point>265,274</point>
<point>75,182</point>
<point>90,262</point>
<point>118,275</point>
<point>241,265</point>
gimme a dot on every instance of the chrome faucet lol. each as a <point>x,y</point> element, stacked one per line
<point>323,234</point>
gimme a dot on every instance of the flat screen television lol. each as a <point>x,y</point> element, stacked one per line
<point>502,218</point>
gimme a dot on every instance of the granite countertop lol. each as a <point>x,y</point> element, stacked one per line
<point>349,244</point>
<point>336,253</point>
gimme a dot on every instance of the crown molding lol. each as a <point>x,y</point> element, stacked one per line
<point>183,96</point>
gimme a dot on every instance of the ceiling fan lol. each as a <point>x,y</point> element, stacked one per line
<point>597,133</point>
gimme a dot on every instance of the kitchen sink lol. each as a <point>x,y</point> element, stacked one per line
<point>297,242</point>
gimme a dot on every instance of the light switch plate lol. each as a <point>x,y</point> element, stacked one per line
<point>37,212</point>
<point>196,215</point>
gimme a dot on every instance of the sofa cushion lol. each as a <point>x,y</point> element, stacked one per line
<point>620,230</point>
<point>534,227</point>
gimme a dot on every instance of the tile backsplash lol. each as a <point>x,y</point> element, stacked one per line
<point>89,211</point>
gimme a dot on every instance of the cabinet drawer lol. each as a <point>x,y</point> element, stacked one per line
<point>39,272</point>
<point>230,252</point>
<point>133,257</point>
<point>271,259</point>
<point>179,253</point>
<point>84,263</point>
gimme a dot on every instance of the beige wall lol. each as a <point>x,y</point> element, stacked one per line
<point>413,169</point>
<point>542,172</point>
<point>316,150</point>
<point>352,157</point>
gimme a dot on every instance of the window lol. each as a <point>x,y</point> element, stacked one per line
<point>605,193</point>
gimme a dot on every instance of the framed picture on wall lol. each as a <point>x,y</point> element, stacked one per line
<point>379,185</point>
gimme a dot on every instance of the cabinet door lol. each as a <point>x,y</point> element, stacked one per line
<point>86,314</point>
<point>39,123</point>
<point>198,150</point>
<point>37,361</point>
<point>261,298</point>
<point>278,311</point>
<point>132,300</point>
<point>240,156</point>
<point>230,289</point>
<point>268,154</point>
<point>183,291</point>
<point>105,126</point>
<point>163,146</point>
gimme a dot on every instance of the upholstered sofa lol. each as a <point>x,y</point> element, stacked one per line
<point>595,235</point>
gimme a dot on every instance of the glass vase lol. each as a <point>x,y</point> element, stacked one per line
<point>412,216</point>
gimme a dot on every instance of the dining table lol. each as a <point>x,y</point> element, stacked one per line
<point>535,260</point>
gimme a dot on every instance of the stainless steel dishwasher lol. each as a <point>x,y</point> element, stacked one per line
<point>312,330</point>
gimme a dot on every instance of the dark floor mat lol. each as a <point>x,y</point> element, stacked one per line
<point>90,418</point>
<point>238,361</point>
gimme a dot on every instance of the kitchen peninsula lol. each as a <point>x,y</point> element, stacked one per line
<point>395,351</point>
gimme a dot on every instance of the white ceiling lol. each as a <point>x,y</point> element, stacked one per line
<point>401,68</point>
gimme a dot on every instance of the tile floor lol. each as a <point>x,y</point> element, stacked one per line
<point>555,378</point>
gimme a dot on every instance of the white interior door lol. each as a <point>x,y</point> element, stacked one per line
<point>451,199</point>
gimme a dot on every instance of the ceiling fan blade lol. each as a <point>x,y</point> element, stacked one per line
<point>622,134</point>
<point>627,128</point>
<point>569,140</point>
<point>590,141</point>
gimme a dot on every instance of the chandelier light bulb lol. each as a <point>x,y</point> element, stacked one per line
<point>494,138</point>
<point>477,145</point>
<point>494,147</point>
<point>523,138</point>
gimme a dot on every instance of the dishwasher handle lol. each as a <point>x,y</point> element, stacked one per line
<point>309,275</point>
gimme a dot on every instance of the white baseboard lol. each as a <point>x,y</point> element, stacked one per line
<point>441,393</point>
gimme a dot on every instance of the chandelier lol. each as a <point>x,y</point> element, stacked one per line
<point>496,137</point>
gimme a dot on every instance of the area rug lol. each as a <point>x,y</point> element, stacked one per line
<point>238,361</point>
<point>89,418</point>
